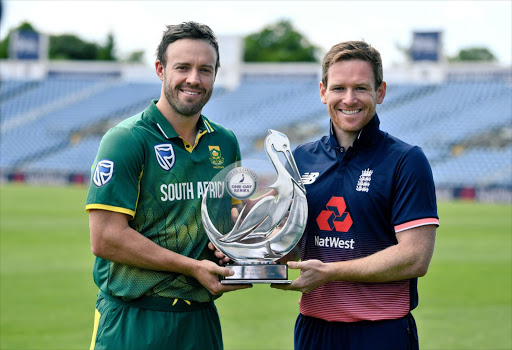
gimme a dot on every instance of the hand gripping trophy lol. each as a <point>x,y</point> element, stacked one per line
<point>258,238</point>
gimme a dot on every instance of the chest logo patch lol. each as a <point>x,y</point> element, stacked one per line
<point>216,157</point>
<point>309,178</point>
<point>103,172</point>
<point>363,184</point>
<point>335,218</point>
<point>165,156</point>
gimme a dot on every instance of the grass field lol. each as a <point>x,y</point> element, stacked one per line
<point>47,294</point>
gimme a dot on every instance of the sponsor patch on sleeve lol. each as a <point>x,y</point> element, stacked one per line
<point>103,172</point>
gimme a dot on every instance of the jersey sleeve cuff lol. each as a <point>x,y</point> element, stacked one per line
<point>416,223</point>
<point>110,208</point>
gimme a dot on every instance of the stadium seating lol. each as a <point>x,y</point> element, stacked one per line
<point>19,97</point>
<point>55,125</point>
<point>477,166</point>
<point>74,158</point>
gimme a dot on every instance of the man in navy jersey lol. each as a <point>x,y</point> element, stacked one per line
<point>372,217</point>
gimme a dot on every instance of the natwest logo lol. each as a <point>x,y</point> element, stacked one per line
<point>335,218</point>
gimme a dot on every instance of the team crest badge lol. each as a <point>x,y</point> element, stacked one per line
<point>363,184</point>
<point>165,156</point>
<point>216,157</point>
<point>103,172</point>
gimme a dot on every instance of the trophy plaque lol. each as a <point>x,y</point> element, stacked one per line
<point>272,218</point>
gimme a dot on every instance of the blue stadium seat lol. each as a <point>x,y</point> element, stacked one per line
<point>65,137</point>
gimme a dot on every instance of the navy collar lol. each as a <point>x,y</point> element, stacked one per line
<point>367,136</point>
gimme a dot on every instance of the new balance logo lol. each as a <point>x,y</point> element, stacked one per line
<point>309,178</point>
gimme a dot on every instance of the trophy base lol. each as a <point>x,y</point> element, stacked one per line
<point>251,274</point>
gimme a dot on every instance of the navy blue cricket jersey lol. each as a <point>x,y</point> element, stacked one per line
<point>358,200</point>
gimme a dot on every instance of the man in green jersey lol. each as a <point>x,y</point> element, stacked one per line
<point>156,276</point>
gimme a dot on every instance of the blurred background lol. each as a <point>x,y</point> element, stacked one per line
<point>70,70</point>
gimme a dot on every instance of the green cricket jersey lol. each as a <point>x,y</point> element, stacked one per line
<point>144,169</point>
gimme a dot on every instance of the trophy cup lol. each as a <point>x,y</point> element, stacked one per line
<point>270,229</point>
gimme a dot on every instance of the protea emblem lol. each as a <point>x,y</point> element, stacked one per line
<point>216,156</point>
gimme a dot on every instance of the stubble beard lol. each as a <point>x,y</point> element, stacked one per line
<point>182,108</point>
<point>171,95</point>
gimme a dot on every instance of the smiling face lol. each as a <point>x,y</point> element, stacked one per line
<point>351,96</point>
<point>188,76</point>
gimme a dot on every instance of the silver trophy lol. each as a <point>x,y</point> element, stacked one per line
<point>271,228</point>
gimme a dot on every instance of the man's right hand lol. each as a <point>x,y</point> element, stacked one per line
<point>207,273</point>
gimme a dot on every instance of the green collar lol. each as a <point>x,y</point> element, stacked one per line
<point>166,128</point>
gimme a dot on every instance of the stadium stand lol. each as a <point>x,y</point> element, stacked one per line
<point>40,94</point>
<point>53,125</point>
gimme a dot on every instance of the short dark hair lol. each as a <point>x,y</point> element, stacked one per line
<point>353,50</point>
<point>187,30</point>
